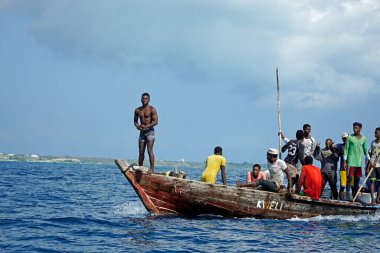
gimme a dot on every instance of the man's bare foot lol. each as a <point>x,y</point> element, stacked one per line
<point>238,184</point>
<point>372,203</point>
<point>151,171</point>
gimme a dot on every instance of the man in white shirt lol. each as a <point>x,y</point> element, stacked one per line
<point>308,142</point>
<point>274,174</point>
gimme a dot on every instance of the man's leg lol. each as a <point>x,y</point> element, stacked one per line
<point>324,181</point>
<point>332,183</point>
<point>267,185</point>
<point>142,146</point>
<point>372,187</point>
<point>350,174</point>
<point>151,155</point>
<point>343,183</point>
<point>356,186</point>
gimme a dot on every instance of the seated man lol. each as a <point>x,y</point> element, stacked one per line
<point>310,179</point>
<point>253,176</point>
<point>214,163</point>
<point>275,174</point>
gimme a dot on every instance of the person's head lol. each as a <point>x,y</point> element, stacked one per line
<point>299,135</point>
<point>272,155</point>
<point>256,169</point>
<point>145,98</point>
<point>377,133</point>
<point>357,127</point>
<point>308,160</point>
<point>307,129</point>
<point>218,150</point>
<point>344,137</point>
<point>328,142</point>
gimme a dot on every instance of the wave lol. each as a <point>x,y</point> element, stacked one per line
<point>130,208</point>
<point>375,217</point>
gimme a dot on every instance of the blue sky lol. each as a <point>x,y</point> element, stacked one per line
<point>72,73</point>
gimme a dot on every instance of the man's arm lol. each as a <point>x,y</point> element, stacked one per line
<point>223,169</point>
<point>365,150</point>
<point>154,118</point>
<point>285,147</point>
<point>287,171</point>
<point>313,145</point>
<point>301,153</point>
<point>286,140</point>
<point>317,153</point>
<point>136,120</point>
<point>345,152</point>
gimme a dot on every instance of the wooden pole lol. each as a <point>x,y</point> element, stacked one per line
<point>278,114</point>
<point>365,181</point>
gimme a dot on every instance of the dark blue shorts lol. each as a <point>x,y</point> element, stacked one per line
<point>375,174</point>
<point>147,135</point>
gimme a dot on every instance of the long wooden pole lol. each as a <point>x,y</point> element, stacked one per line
<point>278,114</point>
<point>365,180</point>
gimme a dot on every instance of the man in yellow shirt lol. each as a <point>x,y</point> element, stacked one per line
<point>214,163</point>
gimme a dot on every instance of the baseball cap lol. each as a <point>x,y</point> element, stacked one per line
<point>344,135</point>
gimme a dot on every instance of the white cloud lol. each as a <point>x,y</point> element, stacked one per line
<point>325,49</point>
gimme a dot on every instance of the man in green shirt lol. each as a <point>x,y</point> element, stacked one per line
<point>355,145</point>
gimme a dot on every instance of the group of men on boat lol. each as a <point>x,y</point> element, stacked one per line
<point>298,165</point>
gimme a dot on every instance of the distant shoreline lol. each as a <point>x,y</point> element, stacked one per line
<point>100,160</point>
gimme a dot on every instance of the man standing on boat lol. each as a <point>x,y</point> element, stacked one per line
<point>375,164</point>
<point>308,141</point>
<point>328,156</point>
<point>342,172</point>
<point>295,153</point>
<point>214,163</point>
<point>356,144</point>
<point>148,119</point>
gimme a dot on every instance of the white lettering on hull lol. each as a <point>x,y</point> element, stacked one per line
<point>272,205</point>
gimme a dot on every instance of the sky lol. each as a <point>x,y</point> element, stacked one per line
<point>72,73</point>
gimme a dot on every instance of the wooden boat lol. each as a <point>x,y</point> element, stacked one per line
<point>162,194</point>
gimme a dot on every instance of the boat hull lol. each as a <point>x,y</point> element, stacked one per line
<point>167,195</point>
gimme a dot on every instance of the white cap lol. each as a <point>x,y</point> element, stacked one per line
<point>344,135</point>
<point>272,151</point>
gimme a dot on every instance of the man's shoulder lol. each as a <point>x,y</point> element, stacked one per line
<point>151,108</point>
<point>281,162</point>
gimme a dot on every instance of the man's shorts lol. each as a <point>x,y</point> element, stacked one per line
<point>147,135</point>
<point>375,174</point>
<point>355,171</point>
<point>293,169</point>
<point>343,178</point>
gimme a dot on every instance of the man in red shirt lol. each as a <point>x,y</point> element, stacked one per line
<point>310,179</point>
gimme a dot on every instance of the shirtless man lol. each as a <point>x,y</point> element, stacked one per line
<point>148,119</point>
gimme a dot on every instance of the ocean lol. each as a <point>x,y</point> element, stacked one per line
<point>90,207</point>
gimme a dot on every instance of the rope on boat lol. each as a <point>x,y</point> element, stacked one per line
<point>129,167</point>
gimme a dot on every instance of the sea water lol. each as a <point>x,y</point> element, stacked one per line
<point>88,207</point>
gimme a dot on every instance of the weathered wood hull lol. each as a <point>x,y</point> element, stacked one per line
<point>164,195</point>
